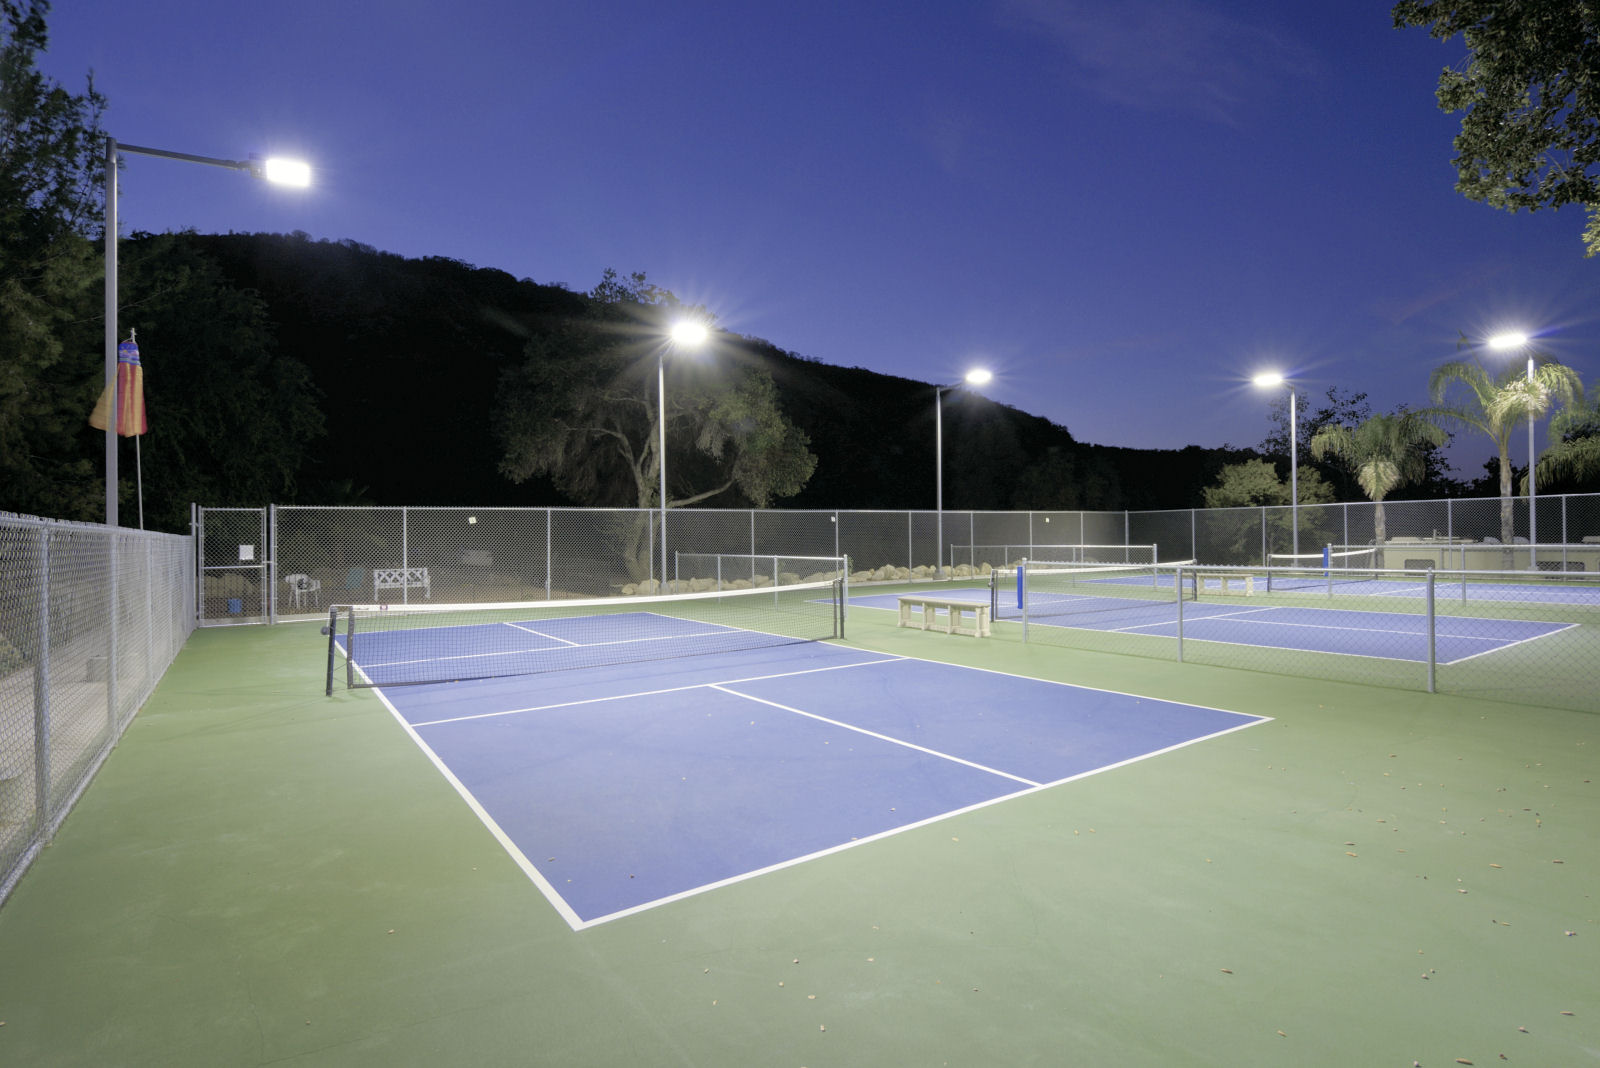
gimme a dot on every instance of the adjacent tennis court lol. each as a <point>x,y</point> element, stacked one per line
<point>1167,603</point>
<point>619,787</point>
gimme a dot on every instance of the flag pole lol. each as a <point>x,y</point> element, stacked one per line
<point>138,441</point>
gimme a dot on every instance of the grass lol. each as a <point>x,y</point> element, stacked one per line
<point>264,876</point>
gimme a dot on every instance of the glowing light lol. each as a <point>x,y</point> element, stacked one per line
<point>1268,378</point>
<point>286,172</point>
<point>979,376</point>
<point>1511,340</point>
<point>689,334</point>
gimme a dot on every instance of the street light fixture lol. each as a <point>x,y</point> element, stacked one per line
<point>685,334</point>
<point>1266,380</point>
<point>1509,342</point>
<point>976,377</point>
<point>286,172</point>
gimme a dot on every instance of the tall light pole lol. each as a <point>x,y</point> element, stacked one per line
<point>686,334</point>
<point>1266,380</point>
<point>1507,342</point>
<point>286,172</point>
<point>975,377</point>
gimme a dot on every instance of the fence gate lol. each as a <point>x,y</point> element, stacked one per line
<point>235,563</point>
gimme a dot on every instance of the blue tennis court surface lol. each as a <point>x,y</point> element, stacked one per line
<point>1344,632</point>
<point>621,788</point>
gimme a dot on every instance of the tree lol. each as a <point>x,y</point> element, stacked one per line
<point>582,408</point>
<point>1576,456</point>
<point>1067,480</point>
<point>1255,484</point>
<point>51,172</point>
<point>1384,451</point>
<point>1530,94</point>
<point>232,419</point>
<point>1341,408</point>
<point>1494,404</point>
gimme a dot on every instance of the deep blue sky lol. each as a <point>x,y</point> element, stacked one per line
<point>1125,209</point>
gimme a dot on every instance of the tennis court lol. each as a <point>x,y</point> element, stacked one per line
<point>619,787</point>
<point>1147,601</point>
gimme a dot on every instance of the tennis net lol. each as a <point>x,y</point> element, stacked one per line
<point>1051,590</point>
<point>1065,555</point>
<point>395,645</point>
<point>1320,570</point>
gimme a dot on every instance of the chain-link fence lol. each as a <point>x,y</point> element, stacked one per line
<point>90,618</point>
<point>269,562</point>
<point>305,558</point>
<point>291,561</point>
<point>1499,529</point>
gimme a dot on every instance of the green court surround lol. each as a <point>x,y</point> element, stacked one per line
<point>262,875</point>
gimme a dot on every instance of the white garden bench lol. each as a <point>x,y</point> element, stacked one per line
<point>403,579</point>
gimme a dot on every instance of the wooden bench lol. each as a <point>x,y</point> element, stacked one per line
<point>400,578</point>
<point>955,609</point>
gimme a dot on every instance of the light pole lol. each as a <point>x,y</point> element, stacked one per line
<point>685,334</point>
<point>975,377</point>
<point>286,172</point>
<point>1273,378</point>
<point>1507,342</point>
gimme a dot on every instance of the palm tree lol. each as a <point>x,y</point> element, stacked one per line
<point>1576,455</point>
<point>1494,405</point>
<point>1384,451</point>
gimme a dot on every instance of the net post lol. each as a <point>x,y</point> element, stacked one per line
<point>839,601</point>
<point>350,650</point>
<point>333,631</point>
<point>1022,600</point>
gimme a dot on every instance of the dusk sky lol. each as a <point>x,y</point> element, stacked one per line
<point>1124,209</point>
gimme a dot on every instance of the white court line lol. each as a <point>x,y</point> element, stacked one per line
<point>887,659</point>
<point>524,652</point>
<point>577,923</point>
<point>1388,630</point>
<point>1496,649</point>
<point>874,734</point>
<point>542,634</point>
<point>927,821</point>
<point>552,895</point>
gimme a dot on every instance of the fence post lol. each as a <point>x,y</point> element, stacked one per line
<point>1432,657</point>
<point>405,554</point>
<point>41,692</point>
<point>270,607</point>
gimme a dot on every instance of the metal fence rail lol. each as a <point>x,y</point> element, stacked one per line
<point>90,618</point>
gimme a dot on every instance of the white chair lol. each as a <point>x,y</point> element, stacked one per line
<point>303,586</point>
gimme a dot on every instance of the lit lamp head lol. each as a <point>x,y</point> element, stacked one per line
<point>979,376</point>
<point>282,171</point>
<point>1268,378</point>
<point>1513,339</point>
<point>689,334</point>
